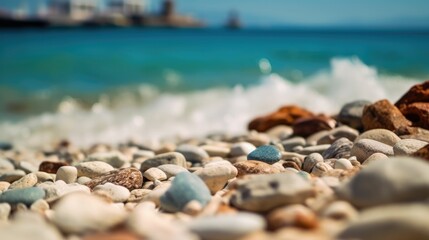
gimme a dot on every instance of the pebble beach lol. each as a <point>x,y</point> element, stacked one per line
<point>361,173</point>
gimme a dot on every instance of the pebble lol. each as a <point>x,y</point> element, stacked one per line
<point>27,181</point>
<point>364,148</point>
<point>83,180</point>
<point>184,188</point>
<point>11,176</point>
<point>4,186</point>
<point>343,164</point>
<point>5,210</point>
<point>68,174</point>
<point>340,210</point>
<point>294,215</point>
<point>339,149</point>
<point>254,167</point>
<point>6,165</point>
<point>60,188</point>
<point>380,135</point>
<point>397,222</point>
<point>192,153</point>
<point>280,132</point>
<point>375,157</point>
<point>143,154</point>
<point>328,137</point>
<point>93,169</point>
<point>26,196</point>
<point>130,178</point>
<point>39,206</point>
<point>402,179</point>
<point>172,170</point>
<point>227,226</point>
<point>314,149</point>
<point>307,126</point>
<point>74,217</point>
<point>214,151</point>
<point>383,114</point>
<point>50,166</point>
<point>216,174</point>
<point>137,195</point>
<point>311,160</point>
<point>164,158</point>
<point>264,192</point>
<point>44,177</point>
<point>241,149</point>
<point>155,174</point>
<point>265,153</point>
<point>408,146</point>
<point>351,113</point>
<point>115,192</point>
<point>157,192</point>
<point>321,169</point>
<point>291,143</point>
<point>113,158</point>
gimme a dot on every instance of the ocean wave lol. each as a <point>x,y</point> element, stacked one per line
<point>146,114</point>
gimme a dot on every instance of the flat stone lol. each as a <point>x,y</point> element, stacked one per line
<point>68,174</point>
<point>380,135</point>
<point>340,210</point>
<point>402,179</point>
<point>401,222</point>
<point>216,174</point>
<point>155,174</point>
<point>5,210</point>
<point>261,193</point>
<point>44,177</point>
<point>227,226</point>
<point>184,188</point>
<point>26,196</point>
<point>4,186</point>
<point>285,115</point>
<point>291,143</point>
<point>27,167</point>
<point>6,165</point>
<point>241,149</point>
<point>60,188</point>
<point>165,158</point>
<point>115,192</point>
<point>74,217</point>
<point>321,169</point>
<point>172,170</point>
<point>408,146</point>
<point>314,149</point>
<point>382,114</point>
<point>328,137</point>
<point>351,113</point>
<point>374,158</point>
<point>192,153</point>
<point>364,148</point>
<point>310,161</point>
<point>113,158</point>
<point>216,151</point>
<point>254,167</point>
<point>27,181</point>
<point>339,149</point>
<point>50,166</point>
<point>137,195</point>
<point>343,164</point>
<point>93,169</point>
<point>11,176</point>
<point>266,153</point>
<point>292,216</point>
<point>130,178</point>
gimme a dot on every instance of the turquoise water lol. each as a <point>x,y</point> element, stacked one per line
<point>209,79</point>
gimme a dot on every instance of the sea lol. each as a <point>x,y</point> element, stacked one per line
<point>150,85</point>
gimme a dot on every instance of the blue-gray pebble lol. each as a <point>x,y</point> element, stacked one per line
<point>185,188</point>
<point>25,195</point>
<point>265,153</point>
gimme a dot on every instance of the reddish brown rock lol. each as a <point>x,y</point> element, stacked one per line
<point>417,113</point>
<point>292,216</point>
<point>307,126</point>
<point>383,114</point>
<point>423,153</point>
<point>418,93</point>
<point>130,178</point>
<point>254,167</point>
<point>286,115</point>
<point>51,167</point>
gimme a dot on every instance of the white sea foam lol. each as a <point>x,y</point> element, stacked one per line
<point>150,115</point>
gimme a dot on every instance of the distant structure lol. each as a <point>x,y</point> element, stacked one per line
<point>233,21</point>
<point>73,10</point>
<point>127,7</point>
<point>168,9</point>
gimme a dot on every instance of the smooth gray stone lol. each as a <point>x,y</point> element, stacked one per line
<point>314,149</point>
<point>172,170</point>
<point>396,180</point>
<point>364,148</point>
<point>241,149</point>
<point>185,188</point>
<point>339,149</point>
<point>395,222</point>
<point>26,196</point>
<point>381,135</point>
<point>192,153</point>
<point>408,146</point>
<point>165,158</point>
<point>351,113</point>
<point>6,165</point>
<point>291,143</point>
<point>11,176</point>
<point>227,226</point>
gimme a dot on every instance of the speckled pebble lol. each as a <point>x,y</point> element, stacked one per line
<point>27,181</point>
<point>115,192</point>
<point>266,153</point>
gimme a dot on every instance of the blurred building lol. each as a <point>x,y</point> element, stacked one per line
<point>128,7</point>
<point>75,10</point>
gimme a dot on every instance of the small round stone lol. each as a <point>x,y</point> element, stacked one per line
<point>241,149</point>
<point>115,192</point>
<point>343,164</point>
<point>265,153</point>
<point>155,174</point>
<point>67,173</point>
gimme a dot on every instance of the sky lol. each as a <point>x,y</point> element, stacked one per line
<point>318,13</point>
